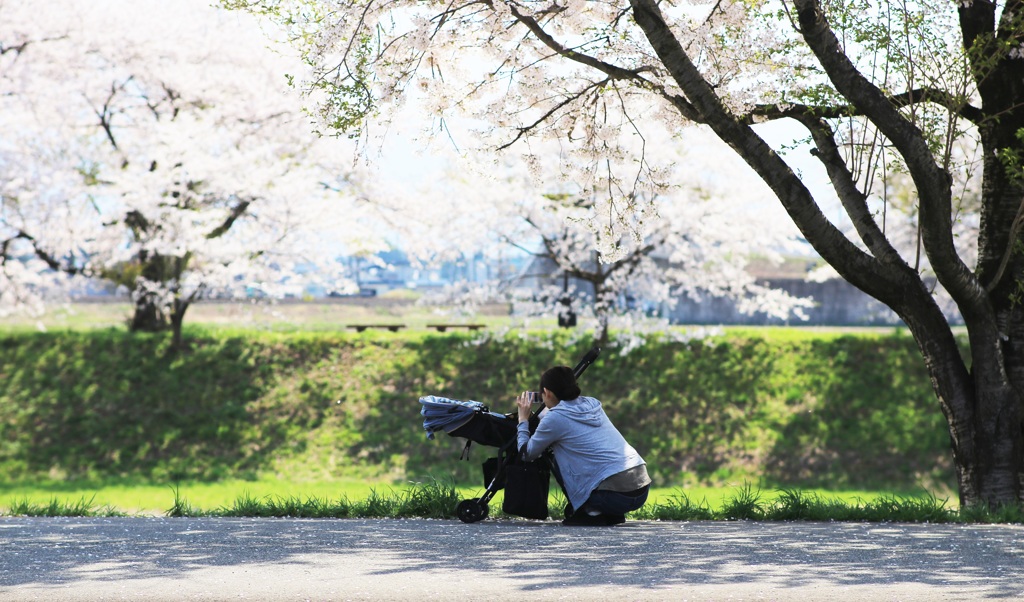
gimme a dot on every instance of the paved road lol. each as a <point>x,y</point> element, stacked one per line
<point>284,559</point>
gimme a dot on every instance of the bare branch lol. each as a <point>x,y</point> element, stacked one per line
<point>911,97</point>
<point>52,262</point>
<point>933,183</point>
<point>854,201</point>
<point>613,71</point>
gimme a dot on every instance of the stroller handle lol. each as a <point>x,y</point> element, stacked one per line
<point>586,361</point>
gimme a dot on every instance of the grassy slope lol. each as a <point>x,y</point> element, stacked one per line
<point>773,406</point>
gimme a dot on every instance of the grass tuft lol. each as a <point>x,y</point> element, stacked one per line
<point>61,508</point>
<point>747,504</point>
<point>181,508</point>
<point>928,509</point>
<point>999,515</point>
<point>287,507</point>
<point>676,507</point>
<point>433,499</point>
<point>793,504</point>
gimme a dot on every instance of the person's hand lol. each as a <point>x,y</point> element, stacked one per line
<point>524,406</point>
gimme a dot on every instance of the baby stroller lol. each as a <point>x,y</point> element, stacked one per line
<point>474,422</point>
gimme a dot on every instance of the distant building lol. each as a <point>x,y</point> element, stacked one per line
<point>836,301</point>
<point>392,270</point>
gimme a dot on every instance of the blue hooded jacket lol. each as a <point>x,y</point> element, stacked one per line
<point>587,447</point>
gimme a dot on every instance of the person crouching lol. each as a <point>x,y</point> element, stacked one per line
<point>603,476</point>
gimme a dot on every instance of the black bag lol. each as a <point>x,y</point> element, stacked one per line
<point>491,469</point>
<point>526,489</point>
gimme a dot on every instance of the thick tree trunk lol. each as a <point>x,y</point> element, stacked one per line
<point>998,438</point>
<point>982,413</point>
<point>998,359</point>
<point>148,315</point>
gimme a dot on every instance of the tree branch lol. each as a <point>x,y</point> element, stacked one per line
<point>933,183</point>
<point>52,262</point>
<point>522,131</point>
<point>854,201</point>
<point>236,212</point>
<point>920,95</point>
<point>856,266</point>
<point>612,71</point>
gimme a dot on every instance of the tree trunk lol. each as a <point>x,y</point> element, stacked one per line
<point>989,467</point>
<point>148,315</point>
<point>998,352</point>
<point>998,356</point>
<point>177,318</point>
<point>982,413</point>
<point>602,310</point>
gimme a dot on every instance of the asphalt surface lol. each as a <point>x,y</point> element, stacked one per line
<point>160,559</point>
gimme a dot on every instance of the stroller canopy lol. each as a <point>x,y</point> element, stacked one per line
<point>443,414</point>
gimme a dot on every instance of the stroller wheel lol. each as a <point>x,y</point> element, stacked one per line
<point>471,511</point>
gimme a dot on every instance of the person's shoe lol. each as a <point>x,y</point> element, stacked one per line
<point>582,519</point>
<point>614,519</point>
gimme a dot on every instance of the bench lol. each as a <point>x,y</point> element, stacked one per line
<point>444,327</point>
<point>362,327</point>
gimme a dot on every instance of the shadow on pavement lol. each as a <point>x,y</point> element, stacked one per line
<point>980,560</point>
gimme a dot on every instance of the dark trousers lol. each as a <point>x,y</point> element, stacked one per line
<point>615,502</point>
<point>606,502</point>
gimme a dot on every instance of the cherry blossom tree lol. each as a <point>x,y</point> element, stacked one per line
<point>708,228</point>
<point>158,146</point>
<point>873,88</point>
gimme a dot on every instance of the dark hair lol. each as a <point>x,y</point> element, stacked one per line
<point>561,381</point>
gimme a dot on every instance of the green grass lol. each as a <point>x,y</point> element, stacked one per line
<point>751,503</point>
<point>119,421</point>
<point>154,499</point>
<point>290,316</point>
<point>398,307</point>
<point>437,498</point>
<point>839,412</point>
